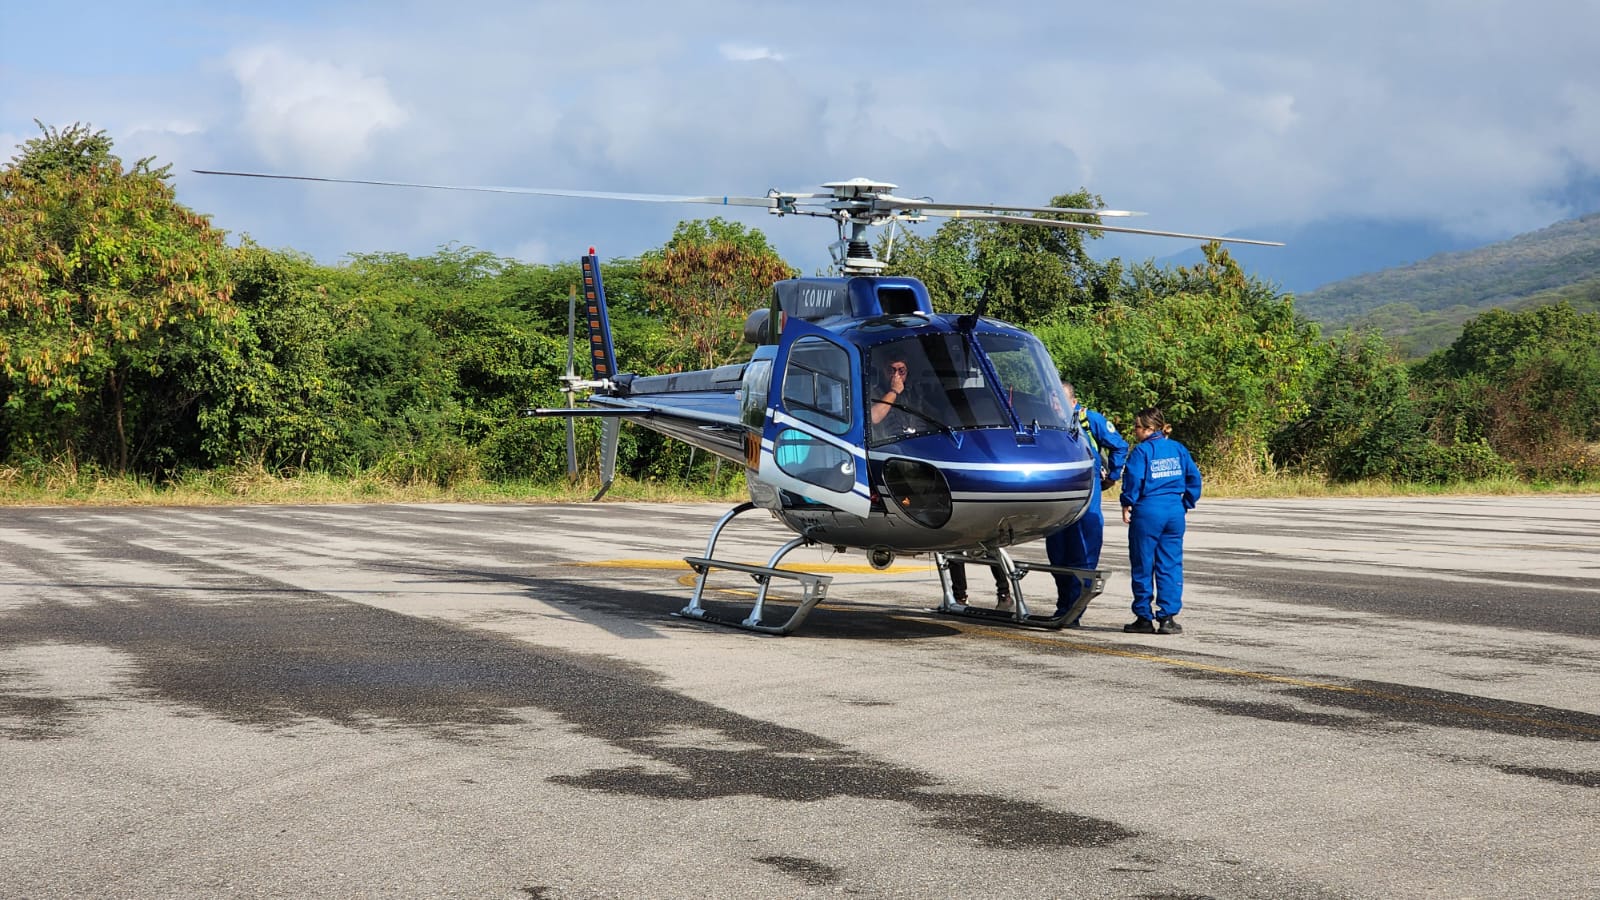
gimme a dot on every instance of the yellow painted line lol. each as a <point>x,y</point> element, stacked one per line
<point>810,568</point>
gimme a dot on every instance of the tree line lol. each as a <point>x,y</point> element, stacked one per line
<point>135,341</point>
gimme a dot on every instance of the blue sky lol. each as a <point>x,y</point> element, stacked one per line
<point>1478,117</point>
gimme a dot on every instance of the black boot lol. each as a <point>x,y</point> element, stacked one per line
<point>1140,626</point>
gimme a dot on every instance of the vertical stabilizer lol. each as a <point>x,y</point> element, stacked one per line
<point>601,351</point>
<point>610,431</point>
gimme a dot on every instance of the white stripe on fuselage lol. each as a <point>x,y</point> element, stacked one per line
<point>1016,496</point>
<point>1020,468</point>
<point>788,421</point>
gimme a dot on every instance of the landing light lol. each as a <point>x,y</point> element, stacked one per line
<point>919,490</point>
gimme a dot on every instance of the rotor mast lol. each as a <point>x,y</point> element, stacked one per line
<point>857,205</point>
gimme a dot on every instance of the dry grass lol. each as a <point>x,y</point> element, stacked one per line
<point>1285,486</point>
<point>58,485</point>
<point>251,487</point>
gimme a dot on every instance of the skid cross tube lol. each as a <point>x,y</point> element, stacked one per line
<point>1092,581</point>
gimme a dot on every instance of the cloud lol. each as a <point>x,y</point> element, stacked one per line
<point>539,251</point>
<point>748,53</point>
<point>170,126</point>
<point>303,111</point>
<point>11,145</point>
<point>1476,117</point>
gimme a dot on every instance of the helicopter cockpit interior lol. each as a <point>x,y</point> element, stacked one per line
<point>947,389</point>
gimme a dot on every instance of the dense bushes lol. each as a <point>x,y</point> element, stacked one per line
<point>133,341</point>
<point>1527,384</point>
<point>1222,353</point>
<point>109,291</point>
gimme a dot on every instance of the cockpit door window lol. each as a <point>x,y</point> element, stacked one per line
<point>816,384</point>
<point>811,440</point>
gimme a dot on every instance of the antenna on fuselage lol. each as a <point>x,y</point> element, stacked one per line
<point>970,320</point>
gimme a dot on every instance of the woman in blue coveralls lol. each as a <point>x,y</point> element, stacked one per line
<point>1159,486</point>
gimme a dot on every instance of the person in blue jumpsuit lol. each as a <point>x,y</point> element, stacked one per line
<point>1160,485</point>
<point>1078,545</point>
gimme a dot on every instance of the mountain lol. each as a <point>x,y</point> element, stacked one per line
<point>1330,250</point>
<point>1415,282</point>
<point>1422,306</point>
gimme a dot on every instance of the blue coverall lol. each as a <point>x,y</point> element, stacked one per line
<point>1161,483</point>
<point>1078,545</point>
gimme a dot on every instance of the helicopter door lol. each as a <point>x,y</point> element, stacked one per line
<point>812,441</point>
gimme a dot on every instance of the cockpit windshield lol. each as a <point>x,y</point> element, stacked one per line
<point>1030,380</point>
<point>934,383</point>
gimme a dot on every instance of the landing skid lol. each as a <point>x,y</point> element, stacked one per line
<point>813,587</point>
<point>1092,582</point>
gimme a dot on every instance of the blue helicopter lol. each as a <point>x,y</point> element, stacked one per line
<point>863,420</point>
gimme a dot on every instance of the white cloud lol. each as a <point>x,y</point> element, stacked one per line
<point>11,145</point>
<point>748,53</point>
<point>1580,122</point>
<point>1468,116</point>
<point>538,251</point>
<point>303,111</point>
<point>170,126</point>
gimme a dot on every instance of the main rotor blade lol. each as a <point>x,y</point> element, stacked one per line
<point>1121,229</point>
<point>955,210</point>
<point>763,202</point>
<point>978,211</point>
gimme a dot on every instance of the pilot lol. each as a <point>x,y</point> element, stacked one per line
<point>1077,546</point>
<point>899,407</point>
<point>897,371</point>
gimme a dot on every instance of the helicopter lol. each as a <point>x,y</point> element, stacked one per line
<point>863,419</point>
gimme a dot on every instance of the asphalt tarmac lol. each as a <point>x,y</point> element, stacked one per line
<point>1373,698</point>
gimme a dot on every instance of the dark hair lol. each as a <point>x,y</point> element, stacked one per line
<point>1153,418</point>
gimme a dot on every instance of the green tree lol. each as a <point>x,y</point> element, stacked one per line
<point>102,276</point>
<point>704,283</point>
<point>1221,352</point>
<point>447,351</point>
<point>77,151</point>
<point>1525,382</point>
<point>1360,420</point>
<point>1024,274</point>
<point>271,393</point>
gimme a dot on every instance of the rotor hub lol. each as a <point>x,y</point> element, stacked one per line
<point>857,188</point>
